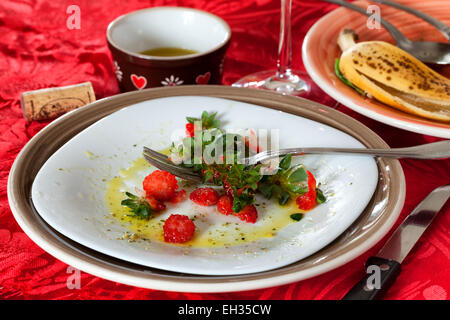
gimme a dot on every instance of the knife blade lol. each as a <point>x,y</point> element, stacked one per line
<point>382,269</point>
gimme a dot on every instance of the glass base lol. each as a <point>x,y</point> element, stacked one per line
<point>296,83</point>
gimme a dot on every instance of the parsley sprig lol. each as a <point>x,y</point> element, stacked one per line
<point>288,182</point>
<point>244,182</point>
<point>208,120</point>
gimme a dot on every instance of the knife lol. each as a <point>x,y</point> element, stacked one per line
<point>383,269</point>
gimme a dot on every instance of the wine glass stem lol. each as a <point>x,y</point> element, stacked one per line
<point>285,46</point>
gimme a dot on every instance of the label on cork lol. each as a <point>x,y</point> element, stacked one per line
<point>50,103</point>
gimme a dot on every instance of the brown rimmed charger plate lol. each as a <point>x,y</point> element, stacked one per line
<point>366,231</point>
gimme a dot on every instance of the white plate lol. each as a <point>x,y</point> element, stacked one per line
<point>69,190</point>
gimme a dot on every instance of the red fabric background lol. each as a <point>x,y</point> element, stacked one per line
<point>38,51</point>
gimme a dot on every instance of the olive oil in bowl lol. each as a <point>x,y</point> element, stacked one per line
<point>168,52</point>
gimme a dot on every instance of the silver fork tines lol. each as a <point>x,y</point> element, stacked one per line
<point>162,162</point>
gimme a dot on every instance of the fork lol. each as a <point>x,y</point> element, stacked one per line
<point>425,51</point>
<point>442,27</point>
<point>435,150</point>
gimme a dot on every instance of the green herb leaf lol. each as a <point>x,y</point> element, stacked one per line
<point>209,120</point>
<point>296,216</point>
<point>207,176</point>
<point>237,205</point>
<point>320,198</point>
<point>215,123</point>
<point>192,120</point>
<point>285,163</point>
<point>266,189</point>
<point>295,188</point>
<point>283,197</point>
<point>298,175</point>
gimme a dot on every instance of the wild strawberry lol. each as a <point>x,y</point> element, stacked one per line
<point>179,196</point>
<point>248,214</point>
<point>178,229</point>
<point>307,201</point>
<point>216,175</point>
<point>225,205</point>
<point>204,196</point>
<point>311,181</point>
<point>161,185</point>
<point>190,130</point>
<point>227,188</point>
<point>155,204</point>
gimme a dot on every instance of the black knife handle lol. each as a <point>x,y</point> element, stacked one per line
<point>381,274</point>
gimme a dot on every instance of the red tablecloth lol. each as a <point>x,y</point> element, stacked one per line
<point>38,51</point>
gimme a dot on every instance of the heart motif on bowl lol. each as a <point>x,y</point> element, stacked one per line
<point>203,78</point>
<point>138,81</point>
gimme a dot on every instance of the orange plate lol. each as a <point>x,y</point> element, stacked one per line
<point>320,51</point>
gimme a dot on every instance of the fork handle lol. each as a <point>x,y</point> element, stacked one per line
<point>445,30</point>
<point>436,150</point>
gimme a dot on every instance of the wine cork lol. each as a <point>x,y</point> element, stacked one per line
<point>50,103</point>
